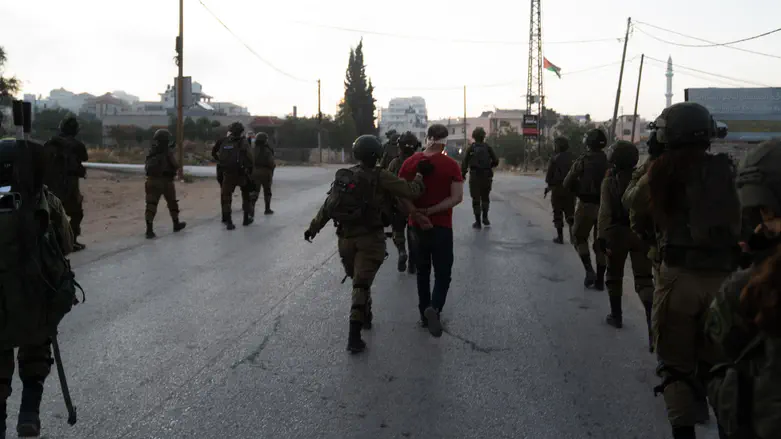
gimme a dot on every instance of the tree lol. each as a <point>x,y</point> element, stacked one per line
<point>574,132</point>
<point>510,145</point>
<point>8,86</point>
<point>359,102</point>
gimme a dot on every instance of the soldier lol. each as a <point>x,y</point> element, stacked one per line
<point>617,240</point>
<point>263,171</point>
<point>161,169</point>
<point>355,205</point>
<point>235,163</point>
<point>696,213</point>
<point>65,157</point>
<point>481,159</point>
<point>562,201</point>
<point>743,320</point>
<point>408,144</point>
<point>391,149</point>
<point>585,180</point>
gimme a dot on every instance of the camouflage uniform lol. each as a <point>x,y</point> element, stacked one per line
<point>390,151</point>
<point>236,175</point>
<point>263,173</point>
<point>480,181</point>
<point>161,167</point>
<point>65,182</point>
<point>562,200</point>
<point>400,225</point>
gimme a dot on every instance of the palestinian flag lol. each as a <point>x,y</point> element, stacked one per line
<point>549,66</point>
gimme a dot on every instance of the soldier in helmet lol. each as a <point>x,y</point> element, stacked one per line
<point>480,159</point>
<point>263,170</point>
<point>235,162</point>
<point>355,203</point>
<point>65,156</point>
<point>562,200</point>
<point>408,144</point>
<point>616,239</point>
<point>161,167</point>
<point>391,149</point>
<point>585,180</point>
<point>697,215</point>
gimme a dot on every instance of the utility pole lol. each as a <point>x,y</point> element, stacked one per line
<point>180,92</point>
<point>535,98</point>
<point>612,134</point>
<point>319,123</point>
<point>637,97</point>
<point>465,138</point>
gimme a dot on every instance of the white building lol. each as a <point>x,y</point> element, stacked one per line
<point>130,99</point>
<point>404,114</point>
<point>230,109</point>
<point>624,128</point>
<point>60,98</point>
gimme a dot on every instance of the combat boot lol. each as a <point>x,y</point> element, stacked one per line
<point>354,342</point>
<point>559,239</point>
<point>179,225</point>
<point>615,318</point>
<point>268,210</point>
<point>600,282</point>
<point>150,233</point>
<point>591,277</point>
<point>248,219</point>
<point>228,221</point>
<point>402,265</point>
<point>485,217</point>
<point>29,423</point>
<point>77,246</point>
<point>648,306</point>
<point>684,432</point>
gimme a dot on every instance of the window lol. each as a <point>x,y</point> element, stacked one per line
<point>453,131</point>
<point>627,132</point>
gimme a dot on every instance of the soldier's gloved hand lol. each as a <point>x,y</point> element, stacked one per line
<point>425,167</point>
<point>308,235</point>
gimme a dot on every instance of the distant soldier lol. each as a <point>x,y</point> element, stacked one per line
<point>408,145</point>
<point>235,163</point>
<point>562,201</point>
<point>585,180</point>
<point>481,160</point>
<point>64,161</point>
<point>161,167</point>
<point>391,149</point>
<point>263,171</point>
<point>355,203</point>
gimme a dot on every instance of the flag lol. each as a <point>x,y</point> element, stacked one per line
<point>549,66</point>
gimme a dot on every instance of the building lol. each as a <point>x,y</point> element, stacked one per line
<point>229,109</point>
<point>105,105</point>
<point>128,98</point>
<point>624,128</point>
<point>404,114</point>
<point>751,114</point>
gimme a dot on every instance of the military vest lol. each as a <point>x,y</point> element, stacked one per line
<point>481,157</point>
<point>158,165</point>
<point>230,155</point>
<point>355,201</point>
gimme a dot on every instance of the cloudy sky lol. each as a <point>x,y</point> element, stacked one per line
<point>435,47</point>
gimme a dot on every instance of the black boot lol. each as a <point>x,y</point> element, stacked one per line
<point>485,217</point>
<point>150,233</point>
<point>478,222</point>
<point>268,210</point>
<point>179,225</point>
<point>248,219</point>
<point>354,342</point>
<point>684,433</point>
<point>590,275</point>
<point>600,282</point>
<point>29,423</point>
<point>615,318</point>
<point>402,266</point>
<point>77,246</point>
<point>648,306</point>
<point>228,221</point>
<point>559,239</point>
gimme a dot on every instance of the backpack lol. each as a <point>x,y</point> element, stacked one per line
<point>264,156</point>
<point>351,198</point>
<point>57,162</point>
<point>594,169</point>
<point>229,155</point>
<point>481,157</point>
<point>746,394</point>
<point>714,206</point>
<point>37,285</point>
<point>617,184</point>
<point>157,164</point>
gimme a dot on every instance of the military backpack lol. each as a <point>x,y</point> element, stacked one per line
<point>264,156</point>
<point>481,157</point>
<point>351,200</point>
<point>158,165</point>
<point>230,155</point>
<point>594,169</point>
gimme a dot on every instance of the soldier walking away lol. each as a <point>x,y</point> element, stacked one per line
<point>263,171</point>
<point>355,203</point>
<point>562,200</point>
<point>235,163</point>
<point>745,318</point>
<point>65,156</point>
<point>391,149</point>
<point>616,239</point>
<point>37,282</point>
<point>444,190</point>
<point>585,180</point>
<point>696,211</point>
<point>480,160</point>
<point>161,167</point>
<point>408,145</point>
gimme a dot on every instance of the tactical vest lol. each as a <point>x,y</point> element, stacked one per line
<point>158,165</point>
<point>617,184</point>
<point>230,156</point>
<point>594,169</point>
<point>264,156</point>
<point>562,162</point>
<point>354,200</point>
<point>481,157</point>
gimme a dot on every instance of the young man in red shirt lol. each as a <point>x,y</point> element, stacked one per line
<point>444,190</point>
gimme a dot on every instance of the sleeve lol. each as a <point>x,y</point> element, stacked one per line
<point>605,210</point>
<point>59,219</point>
<point>455,171</point>
<point>494,158</point>
<point>402,188</point>
<point>172,160</point>
<point>407,171</point>
<point>638,198</point>
<point>724,326</point>
<point>393,167</point>
<point>320,220</point>
<point>216,150</point>
<point>81,152</point>
<point>465,161</point>
<point>551,170</point>
<point>571,180</point>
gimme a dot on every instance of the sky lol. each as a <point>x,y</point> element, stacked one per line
<point>98,46</point>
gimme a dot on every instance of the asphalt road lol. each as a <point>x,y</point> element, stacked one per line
<point>210,334</point>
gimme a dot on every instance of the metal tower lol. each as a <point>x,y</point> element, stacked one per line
<point>535,98</point>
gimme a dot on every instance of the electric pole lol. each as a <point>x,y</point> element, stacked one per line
<point>612,134</point>
<point>637,97</point>
<point>535,98</point>
<point>319,123</point>
<point>180,92</point>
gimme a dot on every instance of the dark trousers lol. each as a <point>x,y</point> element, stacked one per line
<point>435,249</point>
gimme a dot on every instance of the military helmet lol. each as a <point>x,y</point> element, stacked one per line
<point>69,126</point>
<point>437,132</point>
<point>261,137</point>
<point>408,139</point>
<point>686,124</point>
<point>367,149</point>
<point>595,139</point>
<point>390,133</point>
<point>395,138</point>
<point>236,129</point>
<point>623,155</point>
<point>759,177</point>
<point>162,137</point>
<point>478,134</point>
<point>560,144</point>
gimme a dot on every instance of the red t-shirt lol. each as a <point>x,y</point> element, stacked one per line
<point>446,171</point>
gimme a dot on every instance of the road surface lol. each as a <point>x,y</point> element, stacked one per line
<point>210,334</point>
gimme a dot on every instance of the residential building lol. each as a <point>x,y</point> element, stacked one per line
<point>59,98</point>
<point>229,109</point>
<point>128,98</point>
<point>624,128</point>
<point>504,120</point>
<point>105,105</point>
<point>168,98</point>
<point>404,114</point>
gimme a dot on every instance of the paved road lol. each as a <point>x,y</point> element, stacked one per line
<point>211,333</point>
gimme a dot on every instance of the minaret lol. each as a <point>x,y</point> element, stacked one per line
<point>669,74</point>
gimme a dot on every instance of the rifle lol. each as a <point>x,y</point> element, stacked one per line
<point>63,382</point>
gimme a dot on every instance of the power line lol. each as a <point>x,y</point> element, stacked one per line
<point>711,74</point>
<point>446,40</point>
<point>265,61</point>
<point>588,69</point>
<point>704,78</point>
<point>710,43</point>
